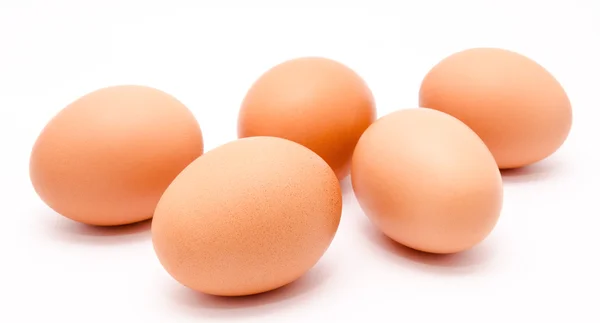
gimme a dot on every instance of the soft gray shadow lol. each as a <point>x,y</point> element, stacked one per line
<point>346,185</point>
<point>259,304</point>
<point>458,263</point>
<point>539,171</point>
<point>69,231</point>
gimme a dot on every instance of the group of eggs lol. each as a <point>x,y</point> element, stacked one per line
<point>257,213</point>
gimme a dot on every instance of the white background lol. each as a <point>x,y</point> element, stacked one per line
<point>540,263</point>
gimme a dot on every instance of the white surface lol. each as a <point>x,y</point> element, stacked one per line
<point>539,263</point>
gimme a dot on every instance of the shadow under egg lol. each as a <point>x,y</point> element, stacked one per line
<point>70,231</point>
<point>257,304</point>
<point>462,262</point>
<point>346,186</point>
<point>541,170</point>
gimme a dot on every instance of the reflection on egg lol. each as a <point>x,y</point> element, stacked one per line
<point>517,107</point>
<point>247,217</point>
<point>427,181</point>
<point>107,157</point>
<point>314,101</point>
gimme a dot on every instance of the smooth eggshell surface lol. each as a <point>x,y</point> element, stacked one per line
<point>317,102</point>
<point>247,217</point>
<point>107,157</point>
<point>427,181</point>
<point>516,106</point>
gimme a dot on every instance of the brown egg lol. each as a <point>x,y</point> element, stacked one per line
<point>314,101</point>
<point>247,217</point>
<point>517,107</point>
<point>427,181</point>
<point>107,157</point>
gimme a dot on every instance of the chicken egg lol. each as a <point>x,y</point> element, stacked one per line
<point>247,217</point>
<point>317,102</point>
<point>107,157</point>
<point>516,106</point>
<point>427,181</point>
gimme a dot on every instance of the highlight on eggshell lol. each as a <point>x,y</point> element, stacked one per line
<point>427,181</point>
<point>107,157</point>
<point>314,101</point>
<point>516,106</point>
<point>247,217</point>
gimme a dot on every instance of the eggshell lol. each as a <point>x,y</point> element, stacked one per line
<point>427,181</point>
<point>247,217</point>
<point>516,106</point>
<point>107,157</point>
<point>317,102</point>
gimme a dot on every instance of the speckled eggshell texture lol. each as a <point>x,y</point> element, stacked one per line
<point>247,217</point>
